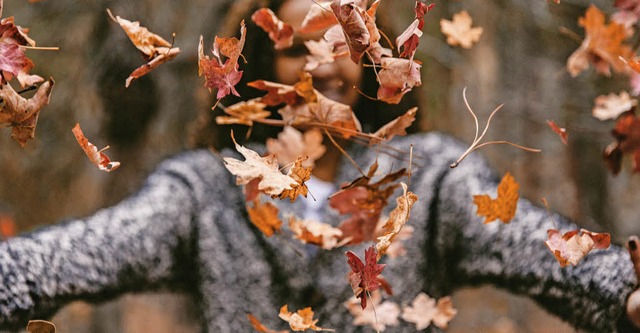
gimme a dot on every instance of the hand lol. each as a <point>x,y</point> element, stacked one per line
<point>633,302</point>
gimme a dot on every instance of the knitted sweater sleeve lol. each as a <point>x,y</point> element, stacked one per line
<point>144,242</point>
<point>590,296</point>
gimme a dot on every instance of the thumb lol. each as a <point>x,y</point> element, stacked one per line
<point>633,302</point>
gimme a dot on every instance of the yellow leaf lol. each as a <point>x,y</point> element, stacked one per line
<point>504,206</point>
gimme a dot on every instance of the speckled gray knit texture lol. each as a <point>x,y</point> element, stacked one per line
<point>187,230</point>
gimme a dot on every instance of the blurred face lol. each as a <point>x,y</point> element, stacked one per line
<point>333,80</point>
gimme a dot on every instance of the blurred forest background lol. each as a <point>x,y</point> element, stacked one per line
<point>519,60</point>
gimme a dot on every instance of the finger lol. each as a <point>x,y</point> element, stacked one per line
<point>634,253</point>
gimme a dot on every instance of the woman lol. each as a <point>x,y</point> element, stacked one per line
<point>187,229</point>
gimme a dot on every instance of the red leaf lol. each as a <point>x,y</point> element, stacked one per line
<point>364,277</point>
<point>561,131</point>
<point>279,32</point>
<point>410,38</point>
<point>627,135</point>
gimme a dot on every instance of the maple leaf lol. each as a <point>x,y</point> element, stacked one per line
<point>459,31</point>
<point>320,53</point>
<point>259,327</point>
<point>602,46</point>
<point>379,315</point>
<point>299,174</point>
<point>424,310</point>
<point>561,131</point>
<point>277,93</point>
<point>318,18</point>
<point>317,233</point>
<point>40,326</point>
<point>395,127</point>
<point>612,105</point>
<point>504,206</point>
<point>408,40</point>
<point>397,77</point>
<point>627,136</point>
<point>572,246</point>
<point>292,143</point>
<point>364,277</point>
<point>97,157</point>
<point>219,75</point>
<point>156,49</point>
<point>21,113</point>
<point>244,113</point>
<point>397,218</point>
<point>13,61</point>
<point>300,320</point>
<point>350,17</point>
<point>397,249</point>
<point>279,32</point>
<point>264,216</point>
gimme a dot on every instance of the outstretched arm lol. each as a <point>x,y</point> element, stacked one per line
<point>144,242</point>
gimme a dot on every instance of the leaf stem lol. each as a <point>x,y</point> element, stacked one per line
<point>353,162</point>
<point>375,314</point>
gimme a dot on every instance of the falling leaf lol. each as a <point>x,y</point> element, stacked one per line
<point>21,113</point>
<point>292,143</point>
<point>259,327</point>
<point>459,31</point>
<point>244,113</point>
<point>602,46</point>
<point>300,320</point>
<point>299,174</point>
<point>395,127</point>
<point>218,74</point>
<point>41,326</point>
<point>13,61</point>
<point>561,131</point>
<point>397,77</point>
<point>397,249</point>
<point>408,40</point>
<point>424,310</point>
<point>277,93</point>
<point>571,247</point>
<point>97,157</point>
<point>504,206</point>
<point>378,316</point>
<point>279,32</point>
<point>612,105</point>
<point>264,216</point>
<point>627,136</point>
<point>397,218</point>
<point>364,277</point>
<point>320,53</point>
<point>317,233</point>
<point>351,19</point>
<point>318,18</point>
<point>8,227</point>
<point>156,49</point>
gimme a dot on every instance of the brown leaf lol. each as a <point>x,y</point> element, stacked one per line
<point>459,31</point>
<point>317,233</point>
<point>318,18</point>
<point>424,310</point>
<point>408,40</point>
<point>612,105</point>
<point>320,53</point>
<point>279,32</point>
<point>41,326</point>
<point>97,157</point>
<point>504,206</point>
<point>13,61</point>
<point>352,20</point>
<point>244,113</point>
<point>395,127</point>
<point>259,327</point>
<point>264,216</point>
<point>397,218</point>
<point>364,277</point>
<point>300,320</point>
<point>379,315</point>
<point>164,55</point>
<point>397,77</point>
<point>571,247</point>
<point>291,144</point>
<point>21,113</point>
<point>627,135</point>
<point>299,174</point>
<point>561,131</point>
<point>277,93</point>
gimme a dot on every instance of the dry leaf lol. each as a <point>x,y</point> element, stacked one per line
<point>318,18</point>
<point>97,157</point>
<point>397,218</point>
<point>352,20</point>
<point>397,249</point>
<point>571,247</point>
<point>612,105</point>
<point>21,113</point>
<point>424,310</point>
<point>627,136</point>
<point>397,77</point>
<point>244,113</point>
<point>317,233</point>
<point>364,277</point>
<point>504,206</point>
<point>265,217</point>
<point>378,316</point>
<point>408,40</point>
<point>561,131</point>
<point>155,48</point>
<point>395,127</point>
<point>13,61</point>
<point>41,326</point>
<point>320,53</point>
<point>291,144</point>
<point>300,320</point>
<point>8,227</point>
<point>459,31</point>
<point>259,327</point>
<point>299,174</point>
<point>279,32</point>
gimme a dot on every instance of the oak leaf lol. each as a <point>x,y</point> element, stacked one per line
<point>572,246</point>
<point>292,143</point>
<point>627,141</point>
<point>397,219</point>
<point>259,327</point>
<point>612,105</point>
<point>97,157</point>
<point>379,315</point>
<point>317,233</point>
<point>364,277</point>
<point>40,326</point>
<point>408,40</point>
<point>561,131</point>
<point>264,216</point>
<point>504,206</point>
<point>300,320</point>
<point>397,77</point>
<point>21,113</point>
<point>395,127</point>
<point>244,113</point>
<point>459,31</point>
<point>424,310</point>
<point>279,32</point>
<point>155,49</point>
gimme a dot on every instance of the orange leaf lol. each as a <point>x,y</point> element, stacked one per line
<point>265,217</point>
<point>317,233</point>
<point>96,156</point>
<point>279,32</point>
<point>291,144</point>
<point>459,31</point>
<point>561,131</point>
<point>300,320</point>
<point>244,113</point>
<point>259,327</point>
<point>318,18</point>
<point>571,247</point>
<point>397,218</point>
<point>395,127</point>
<point>504,206</point>
<point>41,326</point>
<point>424,310</point>
<point>299,174</point>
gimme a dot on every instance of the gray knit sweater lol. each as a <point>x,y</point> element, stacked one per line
<point>187,229</point>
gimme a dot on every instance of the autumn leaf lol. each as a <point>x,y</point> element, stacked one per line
<point>320,53</point>
<point>13,61</point>
<point>397,218</point>
<point>259,327</point>
<point>21,113</point>
<point>8,227</point>
<point>244,113</point>
<point>318,18</point>
<point>299,174</point>
<point>379,315</point>
<point>277,93</point>
<point>292,143</point>
<point>364,277</point>
<point>603,45</point>
<point>627,141</point>
<point>408,40</point>
<point>424,310</point>
<point>97,157</point>
<point>352,20</point>
<point>279,32</point>
<point>317,233</point>
<point>397,77</point>
<point>40,326</point>
<point>156,49</point>
<point>459,31</point>
<point>504,206</point>
<point>264,216</point>
<point>561,131</point>
<point>395,127</point>
<point>220,75</point>
<point>572,246</point>
<point>612,105</point>
<point>397,249</point>
<point>300,320</point>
